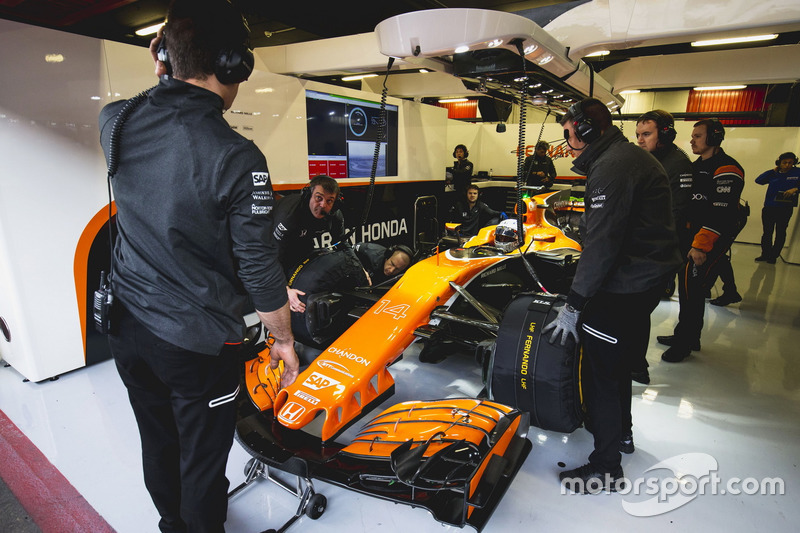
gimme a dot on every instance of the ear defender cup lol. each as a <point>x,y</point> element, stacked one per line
<point>715,133</point>
<point>665,128</point>
<point>584,128</point>
<point>234,65</point>
<point>163,55</point>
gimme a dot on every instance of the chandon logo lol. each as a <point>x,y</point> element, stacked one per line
<point>348,355</point>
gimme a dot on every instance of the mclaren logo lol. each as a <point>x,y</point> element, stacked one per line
<point>336,367</point>
<point>291,412</point>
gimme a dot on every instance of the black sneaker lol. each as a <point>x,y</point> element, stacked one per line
<point>726,299</point>
<point>762,258</point>
<point>675,354</point>
<point>587,479</point>
<point>641,376</point>
<point>669,340</point>
<point>626,444</point>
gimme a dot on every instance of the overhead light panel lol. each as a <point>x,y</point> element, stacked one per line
<point>359,77</point>
<point>721,88</point>
<point>453,100</point>
<point>736,40</point>
<point>599,53</point>
<point>630,91</point>
<point>149,30</point>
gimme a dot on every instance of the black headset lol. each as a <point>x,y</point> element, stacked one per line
<point>715,132</point>
<point>233,64</point>
<point>466,152</point>
<point>664,126</point>
<point>786,155</point>
<point>585,130</point>
<point>400,248</point>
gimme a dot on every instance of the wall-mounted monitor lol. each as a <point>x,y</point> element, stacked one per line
<point>341,136</point>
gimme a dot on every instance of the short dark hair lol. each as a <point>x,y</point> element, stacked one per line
<point>788,155</point>
<point>593,109</point>
<point>715,131</point>
<point>542,144</point>
<point>463,147</point>
<point>197,30</point>
<point>327,183</point>
<point>473,186</point>
<point>659,116</point>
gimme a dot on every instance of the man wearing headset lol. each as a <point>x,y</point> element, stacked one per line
<point>301,221</point>
<point>538,168</point>
<point>193,211</point>
<point>629,250</point>
<point>382,263</point>
<point>655,132</point>
<point>714,222</point>
<point>781,199</point>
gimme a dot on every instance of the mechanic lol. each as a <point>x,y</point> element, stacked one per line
<point>382,263</point>
<point>779,203</point>
<point>473,214</point>
<point>462,170</point>
<point>192,239</point>
<point>300,222</point>
<point>538,168</point>
<point>629,250</point>
<point>714,221</point>
<point>655,132</point>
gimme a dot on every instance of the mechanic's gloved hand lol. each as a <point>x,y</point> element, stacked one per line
<point>565,325</point>
<point>503,215</point>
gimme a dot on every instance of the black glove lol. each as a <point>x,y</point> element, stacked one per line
<point>565,325</point>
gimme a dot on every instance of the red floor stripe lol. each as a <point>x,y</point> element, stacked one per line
<point>46,495</point>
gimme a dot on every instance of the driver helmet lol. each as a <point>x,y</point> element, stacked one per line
<point>505,236</point>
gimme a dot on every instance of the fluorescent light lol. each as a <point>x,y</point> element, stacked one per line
<point>736,40</point>
<point>359,77</point>
<point>53,58</point>
<point>453,100</point>
<point>462,49</point>
<point>630,91</point>
<point>599,53</point>
<point>721,88</point>
<point>149,30</point>
<point>423,71</point>
<point>495,43</point>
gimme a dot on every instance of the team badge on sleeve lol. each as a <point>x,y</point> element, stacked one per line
<point>260,179</point>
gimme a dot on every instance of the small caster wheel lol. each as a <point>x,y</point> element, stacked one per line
<point>316,506</point>
<point>249,466</point>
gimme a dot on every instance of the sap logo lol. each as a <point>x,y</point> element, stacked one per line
<point>307,397</point>
<point>723,189</point>
<point>317,381</point>
<point>260,179</point>
<point>291,412</point>
<point>336,367</point>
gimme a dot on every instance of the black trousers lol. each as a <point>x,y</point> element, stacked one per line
<point>774,218</point>
<point>693,283</point>
<point>185,409</point>
<point>615,332</point>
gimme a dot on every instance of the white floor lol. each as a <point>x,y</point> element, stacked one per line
<point>731,409</point>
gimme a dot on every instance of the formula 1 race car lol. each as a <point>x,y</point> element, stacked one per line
<point>454,457</point>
